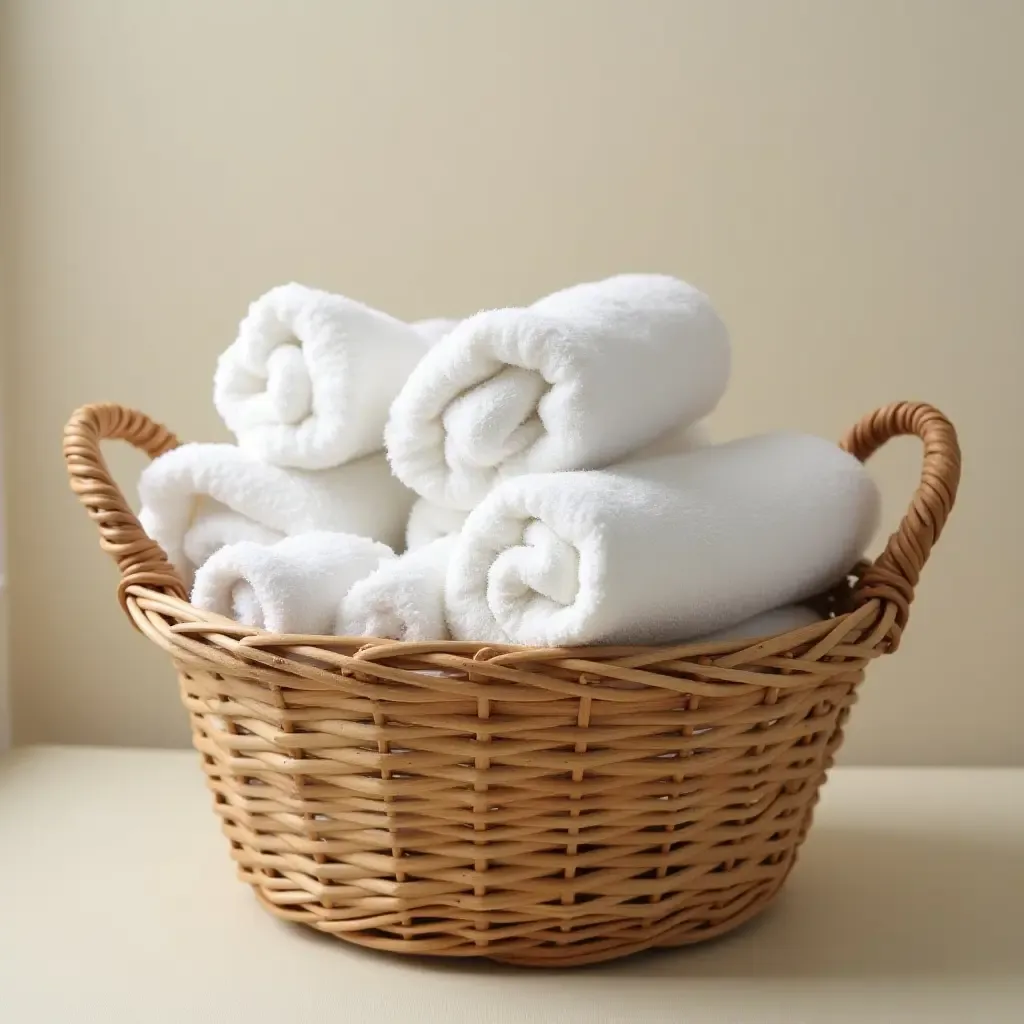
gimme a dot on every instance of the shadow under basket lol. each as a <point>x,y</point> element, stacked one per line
<point>542,807</point>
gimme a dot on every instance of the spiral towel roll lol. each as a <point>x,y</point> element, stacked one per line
<point>663,550</point>
<point>403,599</point>
<point>576,381</point>
<point>310,377</point>
<point>199,497</point>
<point>293,586</point>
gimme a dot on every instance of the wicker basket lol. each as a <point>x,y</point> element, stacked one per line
<point>545,807</point>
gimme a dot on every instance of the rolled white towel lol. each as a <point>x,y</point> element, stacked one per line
<point>429,522</point>
<point>293,586</point>
<point>310,377</point>
<point>677,441</point>
<point>434,329</point>
<point>576,381</point>
<point>770,623</point>
<point>663,550</point>
<point>250,500</point>
<point>401,600</point>
<point>215,526</point>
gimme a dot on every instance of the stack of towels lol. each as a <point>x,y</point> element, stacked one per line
<point>534,476</point>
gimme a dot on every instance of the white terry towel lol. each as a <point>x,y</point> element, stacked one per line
<point>435,328</point>
<point>403,599</point>
<point>576,381</point>
<point>293,586</point>
<point>677,441</point>
<point>663,550</point>
<point>246,499</point>
<point>770,623</point>
<point>429,522</point>
<point>216,526</point>
<point>311,375</point>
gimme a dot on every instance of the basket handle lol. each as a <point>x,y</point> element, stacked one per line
<point>894,574</point>
<point>140,559</point>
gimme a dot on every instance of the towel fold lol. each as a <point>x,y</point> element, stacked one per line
<point>216,526</point>
<point>403,599</point>
<point>663,550</point>
<point>770,623</point>
<point>293,586</point>
<point>429,522</point>
<point>200,496</point>
<point>434,329</point>
<point>578,380</point>
<point>677,441</point>
<point>310,377</point>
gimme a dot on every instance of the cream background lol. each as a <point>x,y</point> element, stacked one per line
<point>844,178</point>
<point>905,908</point>
<point>6,340</point>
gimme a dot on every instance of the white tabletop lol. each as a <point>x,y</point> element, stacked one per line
<point>118,903</point>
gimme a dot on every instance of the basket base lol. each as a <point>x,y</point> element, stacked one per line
<point>540,948</point>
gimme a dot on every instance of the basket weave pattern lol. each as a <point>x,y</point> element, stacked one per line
<point>534,806</point>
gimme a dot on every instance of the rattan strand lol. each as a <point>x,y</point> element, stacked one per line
<point>542,807</point>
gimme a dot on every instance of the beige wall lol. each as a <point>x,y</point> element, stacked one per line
<point>6,341</point>
<point>843,176</point>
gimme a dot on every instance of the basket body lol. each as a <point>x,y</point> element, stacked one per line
<point>547,807</point>
<point>560,815</point>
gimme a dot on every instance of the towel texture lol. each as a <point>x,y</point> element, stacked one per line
<point>249,500</point>
<point>434,329</point>
<point>578,380</point>
<point>293,586</point>
<point>403,599</point>
<point>662,550</point>
<point>216,526</point>
<point>310,377</point>
<point>428,522</point>
<point>677,441</point>
<point>770,623</point>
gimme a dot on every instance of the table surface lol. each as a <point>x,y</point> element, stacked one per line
<point>118,902</point>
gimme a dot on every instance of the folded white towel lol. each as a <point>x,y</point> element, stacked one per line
<point>293,586</point>
<point>401,600</point>
<point>428,522</point>
<point>434,329</point>
<point>310,377</point>
<point>677,441</point>
<point>182,490</point>
<point>662,550</point>
<point>215,526</point>
<point>578,380</point>
<point>770,623</point>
